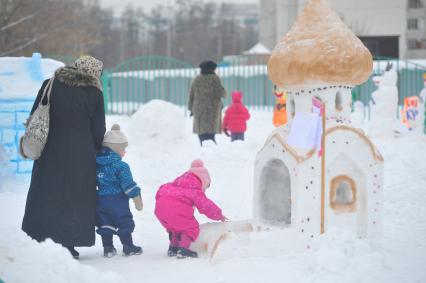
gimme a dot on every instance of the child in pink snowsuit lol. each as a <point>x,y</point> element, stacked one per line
<point>174,208</point>
<point>236,117</point>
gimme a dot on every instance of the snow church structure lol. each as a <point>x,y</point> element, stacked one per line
<point>320,57</point>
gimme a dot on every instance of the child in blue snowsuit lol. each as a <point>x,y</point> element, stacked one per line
<point>115,188</point>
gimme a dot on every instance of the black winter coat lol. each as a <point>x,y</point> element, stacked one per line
<point>61,201</point>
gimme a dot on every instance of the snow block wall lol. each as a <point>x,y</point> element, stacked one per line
<point>20,80</point>
<point>13,113</point>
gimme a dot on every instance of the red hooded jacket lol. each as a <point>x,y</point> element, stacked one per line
<point>236,115</point>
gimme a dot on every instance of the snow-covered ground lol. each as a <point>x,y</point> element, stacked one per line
<point>162,147</point>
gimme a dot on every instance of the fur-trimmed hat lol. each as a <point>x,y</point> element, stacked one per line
<point>197,168</point>
<point>89,65</point>
<point>115,139</point>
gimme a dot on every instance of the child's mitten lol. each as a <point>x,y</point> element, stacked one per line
<point>138,202</point>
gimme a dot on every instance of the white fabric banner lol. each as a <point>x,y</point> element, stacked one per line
<point>305,131</point>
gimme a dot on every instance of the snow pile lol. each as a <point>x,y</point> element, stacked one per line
<point>344,258</point>
<point>21,77</point>
<point>162,123</point>
<point>25,260</point>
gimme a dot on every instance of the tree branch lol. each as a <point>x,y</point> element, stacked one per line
<point>26,18</point>
<point>21,47</point>
<point>17,6</point>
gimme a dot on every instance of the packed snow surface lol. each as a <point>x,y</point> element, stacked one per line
<point>21,77</point>
<point>161,146</point>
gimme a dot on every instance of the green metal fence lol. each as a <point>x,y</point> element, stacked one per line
<point>410,79</point>
<point>139,80</point>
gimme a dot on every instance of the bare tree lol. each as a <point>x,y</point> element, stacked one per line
<point>192,30</point>
<point>50,26</point>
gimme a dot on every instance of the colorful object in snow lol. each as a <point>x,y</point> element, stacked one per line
<point>236,115</point>
<point>175,202</point>
<point>280,110</point>
<point>304,131</point>
<point>410,111</point>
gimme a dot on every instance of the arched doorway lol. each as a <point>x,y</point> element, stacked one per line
<point>346,201</point>
<point>275,192</point>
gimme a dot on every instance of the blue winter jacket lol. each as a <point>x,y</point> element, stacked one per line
<point>113,175</point>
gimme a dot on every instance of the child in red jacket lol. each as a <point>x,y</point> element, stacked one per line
<point>236,117</point>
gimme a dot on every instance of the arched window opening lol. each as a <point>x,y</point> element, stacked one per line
<point>291,106</point>
<point>343,194</point>
<point>339,101</point>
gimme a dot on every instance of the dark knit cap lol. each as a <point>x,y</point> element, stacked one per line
<point>208,67</point>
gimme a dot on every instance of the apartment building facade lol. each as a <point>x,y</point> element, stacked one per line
<point>390,28</point>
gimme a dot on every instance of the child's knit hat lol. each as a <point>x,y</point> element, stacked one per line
<point>115,139</point>
<point>237,96</point>
<point>197,168</point>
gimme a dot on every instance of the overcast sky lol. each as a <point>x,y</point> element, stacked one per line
<point>148,4</point>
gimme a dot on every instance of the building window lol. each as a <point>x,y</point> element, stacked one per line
<point>412,44</point>
<point>386,46</point>
<point>413,24</point>
<point>415,4</point>
<point>416,44</point>
<point>343,194</point>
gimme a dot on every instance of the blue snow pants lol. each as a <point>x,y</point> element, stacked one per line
<point>237,136</point>
<point>113,215</point>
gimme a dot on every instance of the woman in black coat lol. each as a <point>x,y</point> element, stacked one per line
<point>61,201</point>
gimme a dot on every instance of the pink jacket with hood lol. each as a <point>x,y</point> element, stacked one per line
<point>175,202</point>
<point>236,115</point>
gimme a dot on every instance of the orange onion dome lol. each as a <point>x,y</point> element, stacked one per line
<point>318,49</point>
